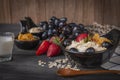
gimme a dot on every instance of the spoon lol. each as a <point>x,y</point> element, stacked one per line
<point>67,72</point>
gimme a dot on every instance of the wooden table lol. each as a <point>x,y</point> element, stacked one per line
<point>24,65</point>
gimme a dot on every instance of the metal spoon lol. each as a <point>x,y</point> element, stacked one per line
<point>70,72</point>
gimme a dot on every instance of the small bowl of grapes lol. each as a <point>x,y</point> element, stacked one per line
<point>92,50</point>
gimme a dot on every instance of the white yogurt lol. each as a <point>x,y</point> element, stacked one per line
<point>82,46</point>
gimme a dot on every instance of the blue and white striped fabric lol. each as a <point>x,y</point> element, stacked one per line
<point>114,62</point>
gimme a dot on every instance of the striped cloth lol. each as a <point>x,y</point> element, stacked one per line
<point>114,62</point>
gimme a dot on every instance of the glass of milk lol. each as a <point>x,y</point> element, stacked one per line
<point>6,46</point>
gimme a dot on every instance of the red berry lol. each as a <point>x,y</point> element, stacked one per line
<point>53,50</point>
<point>81,36</point>
<point>43,48</point>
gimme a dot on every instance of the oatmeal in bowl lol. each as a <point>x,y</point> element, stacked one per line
<point>92,50</point>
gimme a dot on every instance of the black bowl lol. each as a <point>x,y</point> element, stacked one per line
<point>38,34</point>
<point>27,45</point>
<point>98,58</point>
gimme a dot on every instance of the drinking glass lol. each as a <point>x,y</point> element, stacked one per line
<point>6,46</point>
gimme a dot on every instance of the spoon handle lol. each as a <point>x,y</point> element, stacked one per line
<point>98,71</point>
<point>71,72</point>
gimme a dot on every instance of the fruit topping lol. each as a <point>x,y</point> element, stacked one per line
<point>99,40</point>
<point>81,36</point>
<point>74,50</point>
<point>43,47</point>
<point>90,50</point>
<point>26,37</point>
<point>89,43</point>
<point>106,44</point>
<point>56,39</point>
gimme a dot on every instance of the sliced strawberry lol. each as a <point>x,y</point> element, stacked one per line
<point>43,47</point>
<point>81,36</point>
<point>53,50</point>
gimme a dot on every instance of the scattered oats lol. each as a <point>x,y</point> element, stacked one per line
<point>64,60</point>
<point>101,29</point>
<point>49,63</point>
<point>54,64</point>
<point>50,66</point>
<point>39,63</point>
<point>75,69</point>
<point>58,60</point>
<point>42,62</point>
<point>42,65</point>
<point>68,66</point>
<point>63,66</point>
<point>59,65</point>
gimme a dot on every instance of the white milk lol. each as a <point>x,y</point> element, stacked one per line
<point>6,46</point>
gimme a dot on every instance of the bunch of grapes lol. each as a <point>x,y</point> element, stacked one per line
<point>59,27</point>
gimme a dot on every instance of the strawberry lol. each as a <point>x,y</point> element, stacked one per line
<point>52,39</point>
<point>56,39</point>
<point>53,50</point>
<point>43,47</point>
<point>81,36</point>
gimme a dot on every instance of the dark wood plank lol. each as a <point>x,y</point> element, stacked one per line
<point>18,10</point>
<point>111,12</point>
<point>31,9</point>
<point>107,12</point>
<point>98,11</point>
<point>2,13</point>
<point>41,10</point>
<point>69,6</point>
<point>88,11</point>
<point>115,12</point>
<point>79,11</point>
<point>54,8</point>
<point>5,15</point>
